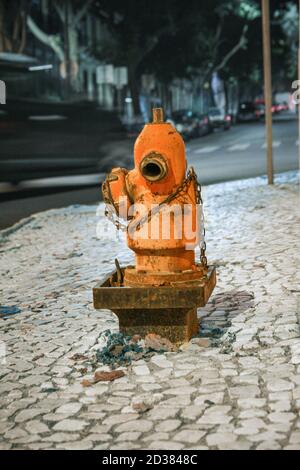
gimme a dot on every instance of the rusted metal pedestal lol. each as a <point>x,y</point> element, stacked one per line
<point>169,311</point>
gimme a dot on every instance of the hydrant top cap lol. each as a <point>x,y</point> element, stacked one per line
<point>157,115</point>
<point>164,144</point>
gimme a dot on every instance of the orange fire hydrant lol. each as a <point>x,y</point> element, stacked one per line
<point>157,183</point>
<point>162,203</point>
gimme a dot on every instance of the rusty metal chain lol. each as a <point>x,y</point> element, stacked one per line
<point>202,243</point>
<point>147,217</point>
<point>110,213</point>
<point>110,210</point>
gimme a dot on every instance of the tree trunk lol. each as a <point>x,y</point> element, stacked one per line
<point>5,42</point>
<point>2,37</point>
<point>134,89</point>
<point>74,57</point>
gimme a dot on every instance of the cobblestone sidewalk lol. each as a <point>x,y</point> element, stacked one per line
<point>240,390</point>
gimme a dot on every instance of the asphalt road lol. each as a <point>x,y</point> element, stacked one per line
<point>222,156</point>
<point>240,152</point>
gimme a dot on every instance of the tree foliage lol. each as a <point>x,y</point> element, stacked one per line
<point>176,39</point>
<point>167,38</point>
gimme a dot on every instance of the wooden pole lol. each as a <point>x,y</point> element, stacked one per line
<point>267,86</point>
<point>67,50</point>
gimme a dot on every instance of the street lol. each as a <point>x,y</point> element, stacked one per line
<point>221,156</point>
<point>240,152</point>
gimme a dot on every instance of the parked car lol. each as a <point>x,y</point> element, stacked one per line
<point>219,119</point>
<point>204,126</point>
<point>190,124</point>
<point>249,111</point>
<point>275,108</point>
<point>282,106</point>
<point>260,111</point>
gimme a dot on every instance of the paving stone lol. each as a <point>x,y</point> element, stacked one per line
<point>76,445</point>
<point>192,412</point>
<point>36,427</point>
<point>279,385</point>
<point>215,398</point>
<point>168,425</point>
<point>180,391</point>
<point>15,433</point>
<point>118,419</point>
<point>281,405</point>
<point>5,446</point>
<point>129,436</point>
<point>125,446</point>
<point>141,425</point>
<point>296,393</point>
<point>292,447</point>
<point>39,446</point>
<point>246,391</point>
<point>276,396</point>
<point>251,402</point>
<point>26,415</point>
<point>157,436</point>
<point>177,401</point>
<point>219,439</point>
<point>295,437</point>
<point>141,370</point>
<point>268,435</point>
<point>62,437</point>
<point>161,414</point>
<point>278,417</point>
<point>252,413</point>
<point>165,445</point>
<point>214,418</point>
<point>70,425</point>
<point>189,436</point>
<point>98,437</point>
<point>161,361</point>
<point>69,408</point>
<point>269,445</point>
<point>101,446</point>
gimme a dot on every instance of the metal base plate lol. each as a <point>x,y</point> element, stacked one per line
<point>168,311</point>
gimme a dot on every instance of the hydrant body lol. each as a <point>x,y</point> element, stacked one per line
<point>157,193</point>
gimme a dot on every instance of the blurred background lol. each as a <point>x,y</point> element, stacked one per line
<point>79,79</point>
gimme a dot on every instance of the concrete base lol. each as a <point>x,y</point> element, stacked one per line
<point>178,325</point>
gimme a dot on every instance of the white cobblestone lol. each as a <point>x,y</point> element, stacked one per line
<point>189,436</point>
<point>242,393</point>
<point>70,425</point>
